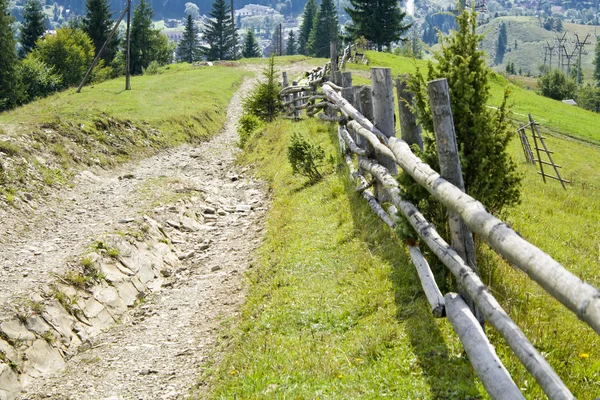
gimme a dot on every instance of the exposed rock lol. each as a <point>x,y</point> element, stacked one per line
<point>109,297</point>
<point>127,292</point>
<point>55,315</point>
<point>9,383</point>
<point>42,359</point>
<point>16,331</point>
<point>243,208</point>
<point>112,273</point>
<point>37,324</point>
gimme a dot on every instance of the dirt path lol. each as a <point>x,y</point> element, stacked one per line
<point>160,348</point>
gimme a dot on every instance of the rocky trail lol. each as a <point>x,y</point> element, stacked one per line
<point>170,238</point>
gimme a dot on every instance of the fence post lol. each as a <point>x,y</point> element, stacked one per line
<point>450,169</point>
<point>296,102</point>
<point>409,129</point>
<point>363,96</point>
<point>286,98</point>
<point>333,54</point>
<point>383,110</point>
<point>347,90</point>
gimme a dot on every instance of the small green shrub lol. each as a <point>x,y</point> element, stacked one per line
<point>557,85</point>
<point>152,69</point>
<point>247,124</point>
<point>305,157</point>
<point>264,101</point>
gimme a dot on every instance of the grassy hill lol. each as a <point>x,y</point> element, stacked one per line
<point>104,124</point>
<point>531,39</point>
<point>335,308</point>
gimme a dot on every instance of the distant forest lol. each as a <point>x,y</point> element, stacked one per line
<point>175,8</point>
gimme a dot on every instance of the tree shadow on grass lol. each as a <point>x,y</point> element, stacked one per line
<point>450,376</point>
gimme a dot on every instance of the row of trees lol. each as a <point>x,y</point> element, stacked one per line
<point>219,33</point>
<point>45,64</point>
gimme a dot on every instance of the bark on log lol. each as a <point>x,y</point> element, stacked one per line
<point>491,309</point>
<point>428,283</point>
<point>350,143</point>
<point>349,110</point>
<point>483,357</point>
<point>372,201</point>
<point>409,129</point>
<point>374,141</point>
<point>293,89</point>
<point>383,111</point>
<point>578,296</point>
<point>451,170</point>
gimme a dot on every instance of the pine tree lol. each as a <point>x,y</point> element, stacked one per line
<point>325,30</point>
<point>308,19</point>
<point>379,21</point>
<point>11,89</point>
<point>97,24</point>
<point>490,175</point>
<point>251,48</point>
<point>290,46</point>
<point>33,26</point>
<point>597,63</point>
<point>220,33</point>
<point>189,47</point>
<point>501,44</point>
<point>147,44</point>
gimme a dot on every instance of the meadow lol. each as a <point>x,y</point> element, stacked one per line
<point>335,307</point>
<point>105,125</point>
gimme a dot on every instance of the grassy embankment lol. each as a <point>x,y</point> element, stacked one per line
<point>335,309</point>
<point>104,124</point>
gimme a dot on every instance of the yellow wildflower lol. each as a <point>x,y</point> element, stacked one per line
<point>584,355</point>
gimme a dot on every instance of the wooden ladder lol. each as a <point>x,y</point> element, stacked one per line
<point>540,147</point>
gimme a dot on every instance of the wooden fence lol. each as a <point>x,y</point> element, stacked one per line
<point>366,130</point>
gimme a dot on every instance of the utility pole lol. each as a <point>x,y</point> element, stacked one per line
<point>280,39</point>
<point>234,30</point>
<point>127,56</point>
<point>108,39</point>
<point>579,45</point>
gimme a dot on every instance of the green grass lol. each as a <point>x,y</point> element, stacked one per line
<point>531,39</point>
<point>334,310</point>
<point>562,223</point>
<point>555,116</point>
<point>565,225</point>
<point>161,101</point>
<point>105,125</point>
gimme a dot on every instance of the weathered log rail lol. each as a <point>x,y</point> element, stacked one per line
<point>364,138</point>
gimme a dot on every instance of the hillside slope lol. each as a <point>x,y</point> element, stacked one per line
<point>528,55</point>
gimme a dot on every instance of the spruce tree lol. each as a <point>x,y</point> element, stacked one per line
<point>501,44</point>
<point>33,27</point>
<point>220,33</point>
<point>11,89</point>
<point>97,24</point>
<point>147,44</point>
<point>188,49</point>
<point>290,46</point>
<point>251,48</point>
<point>597,63</point>
<point>308,19</point>
<point>490,174</point>
<point>325,30</point>
<point>379,21</point>
<point>140,37</point>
